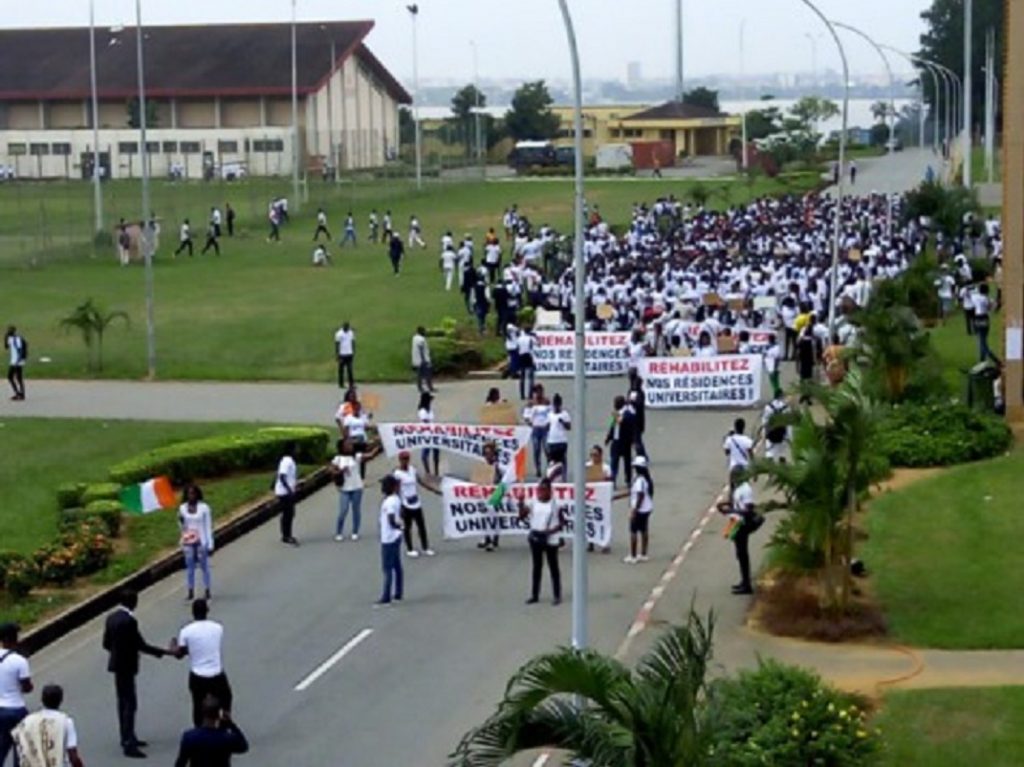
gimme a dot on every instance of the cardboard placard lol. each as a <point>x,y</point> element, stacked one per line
<point>712,299</point>
<point>605,312</point>
<point>764,302</point>
<point>370,401</point>
<point>682,351</point>
<point>481,474</point>
<point>727,344</point>
<point>547,318</point>
<point>737,304</point>
<point>595,473</point>
<point>854,255</point>
<point>499,414</point>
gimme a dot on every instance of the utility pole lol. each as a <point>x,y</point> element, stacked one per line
<point>743,27</point>
<point>414,11</point>
<point>968,92</point>
<point>1013,210</point>
<point>145,229</point>
<point>990,104</point>
<point>679,50</point>
<point>97,192</point>
<point>296,153</point>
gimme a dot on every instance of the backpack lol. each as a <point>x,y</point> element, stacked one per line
<point>776,433</point>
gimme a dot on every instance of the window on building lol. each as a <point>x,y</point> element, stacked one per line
<point>190,147</point>
<point>227,147</point>
<point>268,145</point>
<point>17,150</point>
<point>153,147</point>
<point>128,147</point>
<point>615,133</point>
<point>62,149</point>
<point>38,149</point>
<point>632,132</point>
<point>170,147</point>
<point>666,135</point>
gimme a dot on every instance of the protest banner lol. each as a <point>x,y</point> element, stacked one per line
<point>462,439</point>
<point>605,354</point>
<point>758,336</point>
<point>726,380</point>
<point>467,513</point>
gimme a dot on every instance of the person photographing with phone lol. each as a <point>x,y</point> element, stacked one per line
<point>214,741</point>
<point>744,520</point>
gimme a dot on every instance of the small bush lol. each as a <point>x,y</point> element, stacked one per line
<point>106,512</point>
<point>454,358</point>
<point>69,495</point>
<point>940,434</point>
<point>57,563</point>
<point>99,491</point>
<point>218,456</point>
<point>19,574</point>
<point>783,715</point>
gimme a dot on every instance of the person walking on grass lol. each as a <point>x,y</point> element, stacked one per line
<point>274,218</point>
<point>17,356</point>
<point>184,238</point>
<point>212,233</point>
<point>416,233</point>
<point>285,482</point>
<point>391,541</point>
<point>396,250</point>
<point>412,506</point>
<point>321,226</point>
<point>48,738</point>
<point>374,226</point>
<point>421,361</point>
<point>350,231</point>
<point>214,741</point>
<point>347,470</point>
<point>641,505</point>
<point>229,216</point>
<point>202,641</point>
<point>195,521</point>
<point>124,643</point>
<point>15,683</point>
<point>545,524</point>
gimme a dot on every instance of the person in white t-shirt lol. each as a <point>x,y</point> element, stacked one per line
<point>353,424</point>
<point>285,484</point>
<point>526,342</point>
<point>412,506</point>
<point>345,349</point>
<point>776,434</point>
<point>425,414</point>
<point>641,505</point>
<point>391,541</point>
<point>743,515</point>
<point>544,523</point>
<point>195,521</point>
<point>415,233</point>
<point>347,474</point>
<point>559,425</point>
<point>447,261</point>
<point>15,683</point>
<point>48,736</point>
<point>320,256</point>
<point>536,414</point>
<point>202,641</point>
<point>738,447</point>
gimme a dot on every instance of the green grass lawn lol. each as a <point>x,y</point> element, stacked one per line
<point>260,311</point>
<point>944,560</point>
<point>979,175</point>
<point>953,727</point>
<point>44,453</point>
<point>957,351</point>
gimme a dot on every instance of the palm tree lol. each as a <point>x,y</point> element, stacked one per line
<point>821,487</point>
<point>601,712</point>
<point>92,322</point>
<point>880,111</point>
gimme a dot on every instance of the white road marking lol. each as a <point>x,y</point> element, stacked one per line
<point>324,667</point>
<point>541,760</point>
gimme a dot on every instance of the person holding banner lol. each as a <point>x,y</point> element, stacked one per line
<point>502,478</point>
<point>412,506</point>
<point>391,541</point>
<point>425,413</point>
<point>544,525</point>
<point>641,505</point>
<point>559,425</point>
<point>537,415</point>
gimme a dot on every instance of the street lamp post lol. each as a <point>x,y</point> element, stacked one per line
<point>414,11</point>
<point>968,92</point>
<point>678,5</point>
<point>743,27</point>
<point>892,107</point>
<point>330,104</point>
<point>145,228</point>
<point>838,222</point>
<point>478,135</point>
<point>296,154</point>
<point>97,193</point>
<point>579,542</point>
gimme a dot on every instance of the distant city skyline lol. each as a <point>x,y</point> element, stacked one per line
<point>529,41</point>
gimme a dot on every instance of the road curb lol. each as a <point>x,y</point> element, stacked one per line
<point>74,617</point>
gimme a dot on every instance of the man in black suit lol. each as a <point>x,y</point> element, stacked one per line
<point>622,437</point>
<point>121,638</point>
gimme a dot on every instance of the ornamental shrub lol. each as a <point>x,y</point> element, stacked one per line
<point>219,456</point>
<point>58,562</point>
<point>783,715</point>
<point>69,495</point>
<point>19,574</point>
<point>99,491</point>
<point>940,434</point>
<point>105,512</point>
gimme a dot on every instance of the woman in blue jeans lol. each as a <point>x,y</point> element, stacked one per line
<point>391,541</point>
<point>347,473</point>
<point>196,523</point>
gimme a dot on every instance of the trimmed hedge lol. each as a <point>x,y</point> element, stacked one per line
<point>100,491</point>
<point>219,456</point>
<point>920,435</point>
<point>106,511</point>
<point>69,495</point>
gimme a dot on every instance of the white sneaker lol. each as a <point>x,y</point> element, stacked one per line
<point>340,537</point>
<point>629,560</point>
<point>429,552</point>
<point>643,558</point>
<point>355,536</point>
<point>413,553</point>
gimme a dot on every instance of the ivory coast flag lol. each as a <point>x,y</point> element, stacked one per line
<point>151,495</point>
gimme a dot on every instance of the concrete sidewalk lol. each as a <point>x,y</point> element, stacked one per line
<point>888,174</point>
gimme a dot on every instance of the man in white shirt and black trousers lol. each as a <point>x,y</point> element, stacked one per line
<point>15,682</point>
<point>741,509</point>
<point>202,641</point>
<point>284,489</point>
<point>345,347</point>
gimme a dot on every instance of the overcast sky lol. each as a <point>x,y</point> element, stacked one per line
<point>525,38</point>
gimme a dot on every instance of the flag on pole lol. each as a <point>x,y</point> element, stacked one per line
<point>149,496</point>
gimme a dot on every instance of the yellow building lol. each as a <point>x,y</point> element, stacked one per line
<point>693,130</point>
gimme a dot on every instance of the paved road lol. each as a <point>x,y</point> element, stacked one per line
<point>898,172</point>
<point>432,667</point>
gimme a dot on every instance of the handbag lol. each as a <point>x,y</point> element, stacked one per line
<point>538,538</point>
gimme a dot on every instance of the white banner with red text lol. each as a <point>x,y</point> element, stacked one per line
<point>729,380</point>
<point>605,354</point>
<point>468,513</point>
<point>462,439</point>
